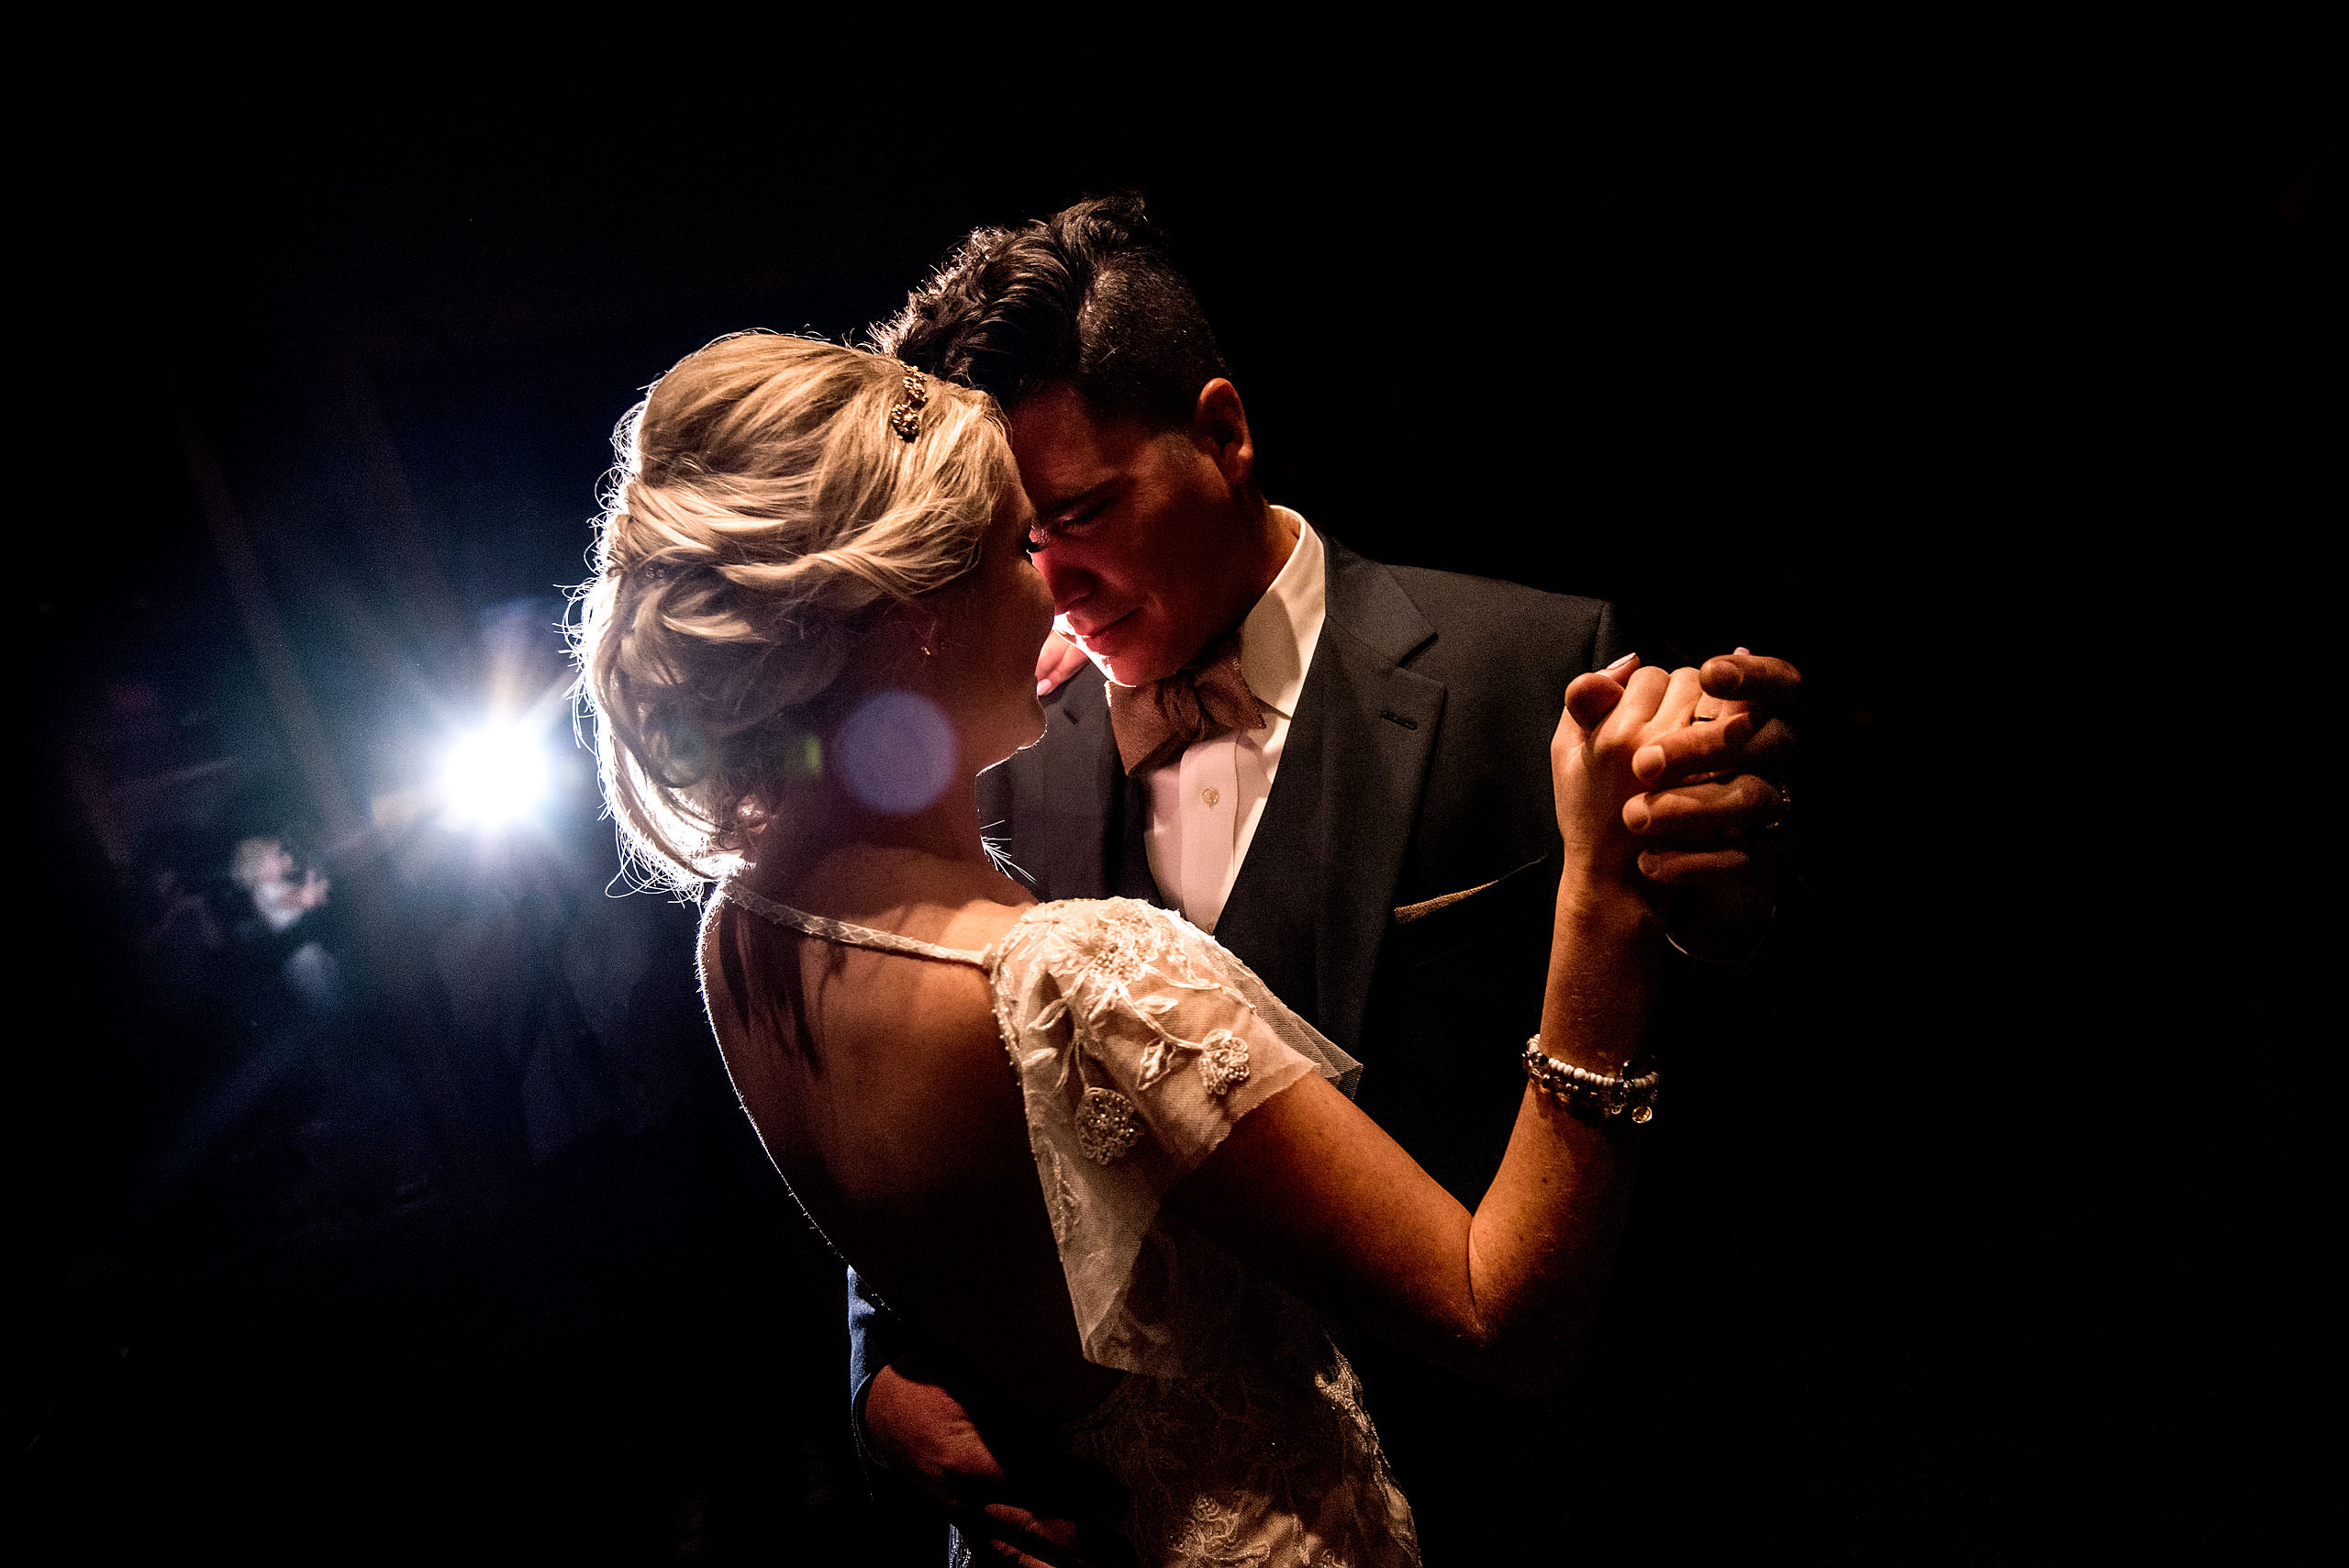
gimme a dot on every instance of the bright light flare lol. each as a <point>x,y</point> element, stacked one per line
<point>495,777</point>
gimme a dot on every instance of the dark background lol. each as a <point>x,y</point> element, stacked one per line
<point>1999,399</point>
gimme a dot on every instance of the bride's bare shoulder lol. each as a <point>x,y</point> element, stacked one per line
<point>964,909</point>
<point>928,898</point>
<point>983,911</point>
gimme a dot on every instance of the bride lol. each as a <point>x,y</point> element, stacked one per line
<point>1077,1142</point>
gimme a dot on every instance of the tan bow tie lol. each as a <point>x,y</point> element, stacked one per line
<point>1156,721</point>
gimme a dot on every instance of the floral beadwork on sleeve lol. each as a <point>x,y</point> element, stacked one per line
<point>1122,963</point>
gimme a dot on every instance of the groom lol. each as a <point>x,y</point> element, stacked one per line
<point>1339,768</point>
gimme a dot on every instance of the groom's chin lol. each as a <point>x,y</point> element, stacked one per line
<point>1127,662</point>
<point>1133,668</point>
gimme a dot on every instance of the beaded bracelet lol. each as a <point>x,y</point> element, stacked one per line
<point>1602,1094</point>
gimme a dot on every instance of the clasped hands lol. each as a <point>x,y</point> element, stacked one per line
<point>1713,796</point>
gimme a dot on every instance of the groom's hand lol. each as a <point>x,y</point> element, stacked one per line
<point>923,1433</point>
<point>1716,796</point>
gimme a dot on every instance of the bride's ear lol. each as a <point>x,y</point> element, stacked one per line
<point>911,629</point>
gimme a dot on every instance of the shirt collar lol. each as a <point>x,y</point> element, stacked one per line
<point>1276,640</point>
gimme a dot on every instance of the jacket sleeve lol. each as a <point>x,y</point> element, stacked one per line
<point>874,1338</point>
<point>1612,641</point>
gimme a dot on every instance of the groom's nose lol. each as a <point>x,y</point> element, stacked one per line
<point>1069,580</point>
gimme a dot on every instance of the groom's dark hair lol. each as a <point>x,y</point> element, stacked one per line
<point>1088,297</point>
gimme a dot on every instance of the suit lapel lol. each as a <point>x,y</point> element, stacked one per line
<point>1069,844</point>
<point>1313,899</point>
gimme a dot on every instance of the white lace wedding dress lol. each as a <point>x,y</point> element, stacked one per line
<point>1240,1434</point>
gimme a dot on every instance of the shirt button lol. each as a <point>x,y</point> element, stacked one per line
<point>1210,794</point>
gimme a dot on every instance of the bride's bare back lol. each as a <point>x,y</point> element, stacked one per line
<point>879,1085</point>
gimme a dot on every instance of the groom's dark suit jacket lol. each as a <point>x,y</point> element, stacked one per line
<point>1398,892</point>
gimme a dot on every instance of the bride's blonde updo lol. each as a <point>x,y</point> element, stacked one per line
<point>767,510</point>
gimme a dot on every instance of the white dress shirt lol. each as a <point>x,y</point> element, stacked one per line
<point>1205,805</point>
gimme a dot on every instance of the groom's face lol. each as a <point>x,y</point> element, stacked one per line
<point>1137,532</point>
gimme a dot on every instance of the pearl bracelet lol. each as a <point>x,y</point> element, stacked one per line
<point>1603,1094</point>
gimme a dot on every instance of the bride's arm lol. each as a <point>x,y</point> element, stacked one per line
<point>1312,1192</point>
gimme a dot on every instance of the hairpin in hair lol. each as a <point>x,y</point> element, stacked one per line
<point>905,417</point>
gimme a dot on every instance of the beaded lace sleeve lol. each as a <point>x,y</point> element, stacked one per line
<point>1139,1044</point>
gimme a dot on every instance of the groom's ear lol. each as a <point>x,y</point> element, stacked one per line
<point>1219,429</point>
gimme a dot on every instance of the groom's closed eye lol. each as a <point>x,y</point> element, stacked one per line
<point>1074,511</point>
<point>1042,534</point>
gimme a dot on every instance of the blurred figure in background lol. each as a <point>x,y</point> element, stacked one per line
<point>264,868</point>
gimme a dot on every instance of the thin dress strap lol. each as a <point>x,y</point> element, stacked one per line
<point>840,931</point>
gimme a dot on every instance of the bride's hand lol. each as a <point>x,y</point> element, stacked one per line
<point>1609,716</point>
<point>1056,662</point>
